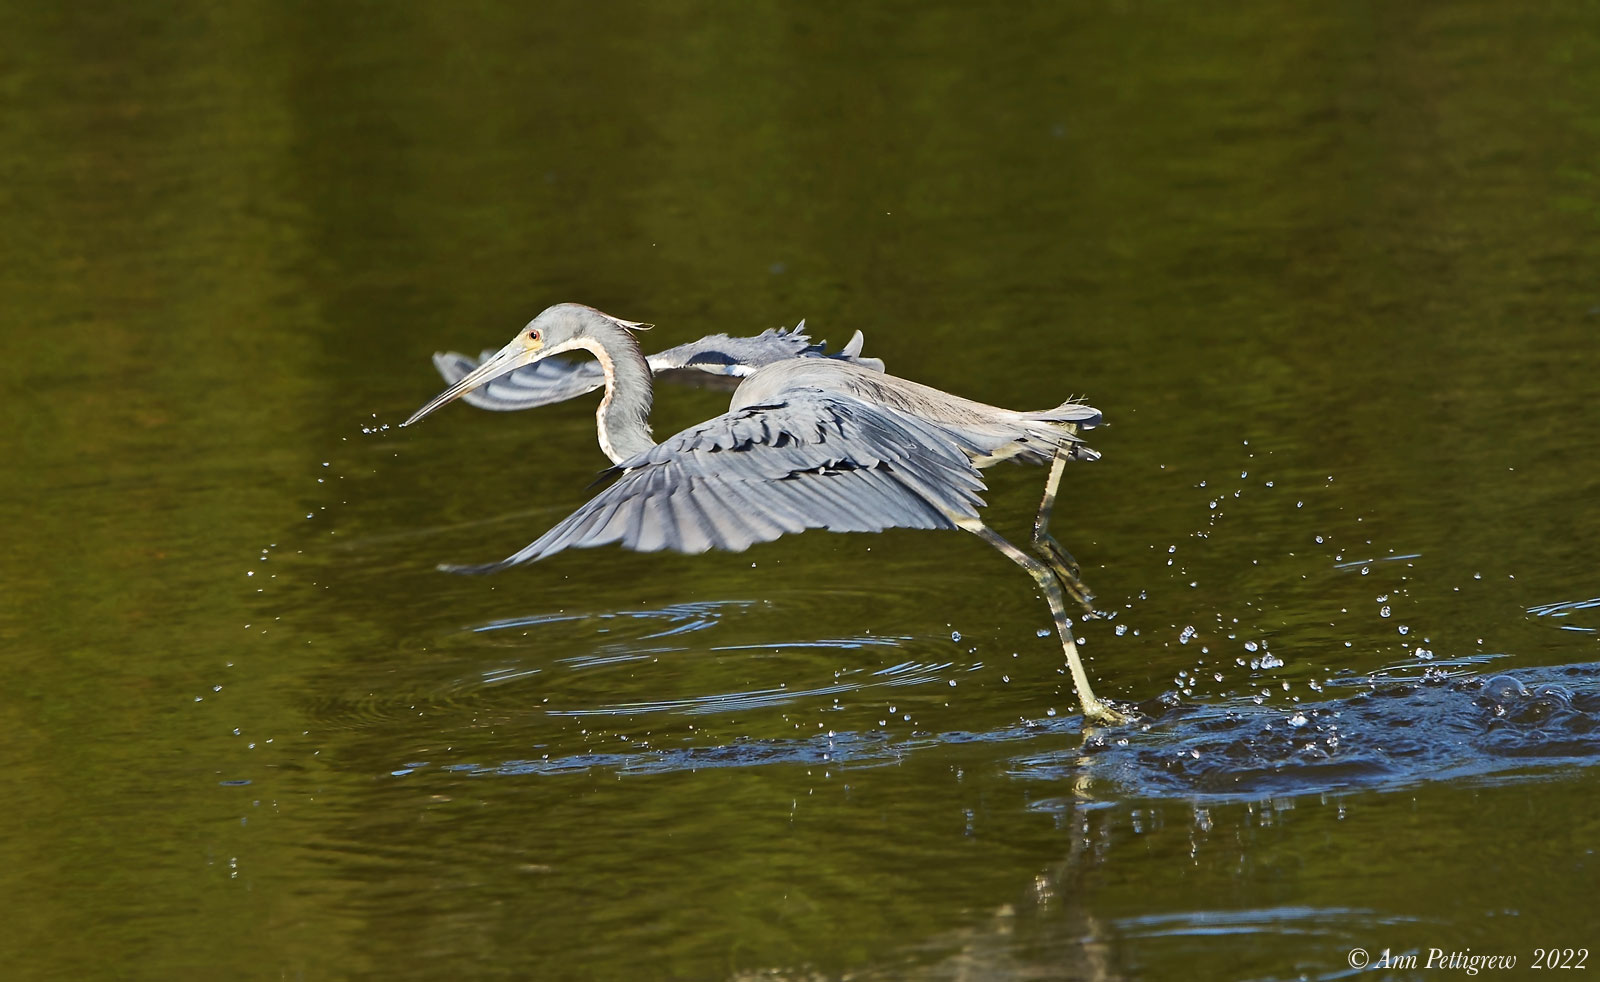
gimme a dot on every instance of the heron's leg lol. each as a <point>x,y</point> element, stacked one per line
<point>1056,555</point>
<point>1093,708</point>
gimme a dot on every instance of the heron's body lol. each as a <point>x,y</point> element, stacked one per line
<point>998,434</point>
<point>806,443</point>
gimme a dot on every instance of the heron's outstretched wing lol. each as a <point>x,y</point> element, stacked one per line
<point>812,459</point>
<point>558,379</point>
<point>719,354</point>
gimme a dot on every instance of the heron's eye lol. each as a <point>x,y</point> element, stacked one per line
<point>533,335</point>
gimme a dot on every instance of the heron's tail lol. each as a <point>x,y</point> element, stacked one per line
<point>1073,411</point>
<point>1064,423</point>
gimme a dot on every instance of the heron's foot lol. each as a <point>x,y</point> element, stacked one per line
<point>1065,567</point>
<point>1055,553</point>
<point>1102,712</point>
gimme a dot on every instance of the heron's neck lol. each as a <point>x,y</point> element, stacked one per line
<point>624,415</point>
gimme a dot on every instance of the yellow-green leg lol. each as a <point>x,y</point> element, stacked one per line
<point>1093,708</point>
<point>1054,553</point>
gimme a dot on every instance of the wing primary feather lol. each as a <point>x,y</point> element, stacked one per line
<point>729,524</point>
<point>697,533</point>
<point>757,499</point>
<point>649,530</point>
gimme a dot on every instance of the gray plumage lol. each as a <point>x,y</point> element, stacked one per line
<point>714,357</point>
<point>807,443</point>
<point>810,445</point>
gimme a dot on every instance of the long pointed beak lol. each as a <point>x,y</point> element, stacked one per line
<point>510,358</point>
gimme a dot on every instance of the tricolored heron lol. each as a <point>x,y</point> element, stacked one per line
<point>806,443</point>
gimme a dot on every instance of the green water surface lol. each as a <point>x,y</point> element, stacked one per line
<point>1331,271</point>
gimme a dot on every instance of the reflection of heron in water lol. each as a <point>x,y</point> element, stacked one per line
<point>807,443</point>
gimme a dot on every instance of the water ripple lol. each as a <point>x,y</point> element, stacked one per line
<point>859,642</point>
<point>1294,920</point>
<point>581,664</point>
<point>1358,563</point>
<point>1567,608</point>
<point>682,618</point>
<point>843,750</point>
<point>910,673</point>
<point>1443,725</point>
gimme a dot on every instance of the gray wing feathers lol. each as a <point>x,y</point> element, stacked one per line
<point>559,379</point>
<point>720,354</point>
<point>816,460</point>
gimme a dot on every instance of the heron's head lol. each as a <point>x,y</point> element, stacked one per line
<point>560,328</point>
